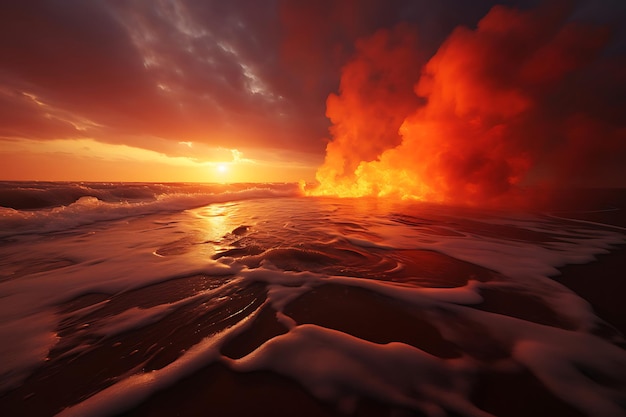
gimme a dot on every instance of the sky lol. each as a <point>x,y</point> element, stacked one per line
<point>413,97</point>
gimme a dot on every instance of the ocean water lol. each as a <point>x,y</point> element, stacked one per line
<point>112,295</point>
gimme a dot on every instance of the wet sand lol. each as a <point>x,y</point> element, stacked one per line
<point>217,390</point>
<point>600,282</point>
<point>506,393</point>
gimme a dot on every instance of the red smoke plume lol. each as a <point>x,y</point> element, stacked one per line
<point>508,104</point>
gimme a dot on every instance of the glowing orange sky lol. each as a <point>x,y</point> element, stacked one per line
<point>251,91</point>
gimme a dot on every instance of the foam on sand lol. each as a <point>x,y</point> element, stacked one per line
<point>203,277</point>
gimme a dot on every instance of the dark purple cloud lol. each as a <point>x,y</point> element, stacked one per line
<point>225,73</point>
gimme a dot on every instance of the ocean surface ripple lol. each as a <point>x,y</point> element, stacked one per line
<point>119,293</point>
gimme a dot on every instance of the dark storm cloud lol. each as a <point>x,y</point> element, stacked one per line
<point>229,73</point>
<point>138,68</point>
<point>22,116</point>
<point>73,56</point>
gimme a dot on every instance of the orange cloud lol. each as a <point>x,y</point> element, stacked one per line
<point>503,109</point>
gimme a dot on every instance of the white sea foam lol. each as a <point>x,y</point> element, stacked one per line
<point>130,391</point>
<point>340,368</point>
<point>27,342</point>
<point>106,262</point>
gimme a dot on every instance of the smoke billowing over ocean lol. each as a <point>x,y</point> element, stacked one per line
<point>165,299</point>
<point>526,98</point>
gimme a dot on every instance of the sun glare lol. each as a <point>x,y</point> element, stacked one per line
<point>222,168</point>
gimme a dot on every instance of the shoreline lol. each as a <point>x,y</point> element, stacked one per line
<point>601,283</point>
<point>506,391</point>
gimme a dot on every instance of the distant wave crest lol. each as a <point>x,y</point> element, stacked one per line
<point>50,207</point>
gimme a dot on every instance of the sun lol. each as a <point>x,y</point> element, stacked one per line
<point>221,172</point>
<point>222,168</point>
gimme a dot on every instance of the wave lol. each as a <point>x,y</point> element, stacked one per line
<point>51,207</point>
<point>39,195</point>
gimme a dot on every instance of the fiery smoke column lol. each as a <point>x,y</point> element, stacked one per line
<point>508,104</point>
<point>376,95</point>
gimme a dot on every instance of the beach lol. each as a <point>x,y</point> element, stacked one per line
<point>146,300</point>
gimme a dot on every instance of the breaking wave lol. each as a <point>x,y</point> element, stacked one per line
<point>51,207</point>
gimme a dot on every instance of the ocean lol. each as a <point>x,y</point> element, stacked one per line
<point>252,299</point>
